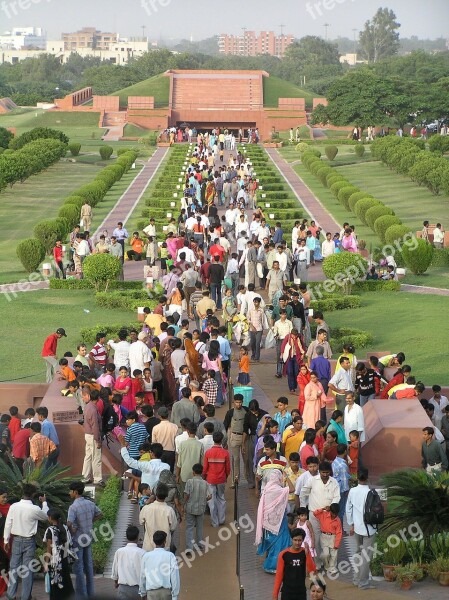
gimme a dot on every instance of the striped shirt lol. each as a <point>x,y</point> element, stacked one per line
<point>99,354</point>
<point>136,435</point>
<point>265,465</point>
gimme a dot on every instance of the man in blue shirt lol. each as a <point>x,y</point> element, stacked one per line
<point>283,417</point>
<point>225,350</point>
<point>49,430</point>
<point>159,570</point>
<point>340,472</point>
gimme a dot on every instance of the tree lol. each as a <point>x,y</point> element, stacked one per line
<point>309,53</point>
<point>101,269</point>
<point>380,37</point>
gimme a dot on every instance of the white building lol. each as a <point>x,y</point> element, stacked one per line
<point>23,37</point>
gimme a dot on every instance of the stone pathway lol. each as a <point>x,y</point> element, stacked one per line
<point>417,289</point>
<point>307,199</point>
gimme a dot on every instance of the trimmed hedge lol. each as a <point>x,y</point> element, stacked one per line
<point>331,152</point>
<point>336,302</point>
<point>71,212</point>
<point>339,185</point>
<point>108,504</point>
<point>359,150</point>
<point>74,148</point>
<point>345,193</point>
<point>336,265</point>
<point>49,232</point>
<point>378,285</point>
<point>106,152</point>
<point>31,253</point>
<point>373,213</point>
<point>383,223</point>
<point>88,334</point>
<point>364,205</point>
<point>396,232</point>
<point>101,269</point>
<point>130,299</point>
<point>345,335</point>
<point>418,259</point>
<point>84,284</point>
<point>38,133</point>
<point>354,198</point>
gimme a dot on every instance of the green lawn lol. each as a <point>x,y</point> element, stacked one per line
<point>403,322</point>
<point>412,204</point>
<point>132,130</point>
<point>345,154</point>
<point>157,86</point>
<point>47,310</point>
<point>275,88</point>
<point>436,277</point>
<point>39,198</point>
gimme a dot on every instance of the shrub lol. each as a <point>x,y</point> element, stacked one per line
<point>106,152</point>
<point>347,335</point>
<point>314,151</point>
<point>344,265</point>
<point>302,147</point>
<point>377,286</point>
<point>88,334</point>
<point>375,212</point>
<point>74,148</point>
<point>92,192</point>
<point>439,144</point>
<point>36,134</point>
<point>323,173</point>
<point>333,177</point>
<point>48,232</point>
<point>108,504</point>
<point>359,150</point>
<point>31,253</point>
<point>396,232</point>
<point>5,137</point>
<point>354,198</point>
<point>84,284</point>
<point>100,269</point>
<point>364,205</point>
<point>383,223</point>
<point>74,201</point>
<point>345,193</point>
<point>337,302</point>
<point>331,152</point>
<point>418,259</point>
<point>314,167</point>
<point>64,226</point>
<point>339,185</point>
<point>129,299</point>
<point>71,213</point>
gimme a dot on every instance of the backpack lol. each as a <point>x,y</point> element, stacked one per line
<point>109,420</point>
<point>373,513</point>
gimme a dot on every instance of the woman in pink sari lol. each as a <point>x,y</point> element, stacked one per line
<point>315,399</point>
<point>349,242</point>
<point>302,380</point>
<point>123,387</point>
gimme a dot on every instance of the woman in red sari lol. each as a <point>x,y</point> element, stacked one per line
<point>4,557</point>
<point>123,387</point>
<point>292,354</point>
<point>303,380</point>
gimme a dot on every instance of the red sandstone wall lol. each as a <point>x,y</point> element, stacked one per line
<point>111,103</point>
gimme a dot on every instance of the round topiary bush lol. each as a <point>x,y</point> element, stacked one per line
<point>345,265</point>
<point>418,257</point>
<point>331,152</point>
<point>71,212</point>
<point>354,198</point>
<point>373,213</point>
<point>359,150</point>
<point>345,193</point>
<point>92,192</point>
<point>48,232</point>
<point>323,173</point>
<point>333,177</point>
<point>31,253</point>
<point>74,148</point>
<point>302,147</point>
<point>396,233</point>
<point>339,185</point>
<point>74,201</point>
<point>101,269</point>
<point>316,152</point>
<point>315,166</point>
<point>383,223</point>
<point>365,204</point>
<point>106,152</point>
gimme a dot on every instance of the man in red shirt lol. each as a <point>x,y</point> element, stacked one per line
<point>217,466</point>
<point>217,250</point>
<point>49,352</point>
<point>58,257</point>
<point>15,423</point>
<point>21,446</point>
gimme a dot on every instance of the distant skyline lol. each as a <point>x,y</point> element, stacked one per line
<point>194,19</point>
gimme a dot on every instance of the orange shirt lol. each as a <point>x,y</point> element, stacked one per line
<point>244,364</point>
<point>67,373</point>
<point>353,451</point>
<point>329,525</point>
<point>137,245</point>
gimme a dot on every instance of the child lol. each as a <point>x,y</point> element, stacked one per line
<point>14,424</point>
<point>108,378</point>
<point>303,522</point>
<point>140,401</point>
<point>29,417</point>
<point>283,416</point>
<point>291,474</point>
<point>184,378</point>
<point>66,372</point>
<point>156,374</point>
<point>78,368</point>
<point>319,437</point>
<point>210,387</point>
<point>206,325</point>
<point>164,257</point>
<point>196,496</point>
<point>144,495</point>
<point>243,376</point>
<point>331,534</point>
<point>148,386</point>
<point>353,452</point>
<point>136,384</point>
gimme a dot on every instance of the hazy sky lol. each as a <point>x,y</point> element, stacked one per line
<point>203,18</point>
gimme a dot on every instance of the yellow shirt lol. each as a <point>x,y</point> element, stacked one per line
<point>292,443</point>
<point>154,322</point>
<point>289,474</point>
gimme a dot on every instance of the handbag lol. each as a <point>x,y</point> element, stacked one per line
<point>310,563</point>
<point>47,582</point>
<point>270,340</point>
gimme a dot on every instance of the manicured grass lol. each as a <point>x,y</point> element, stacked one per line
<point>412,204</point>
<point>333,206</point>
<point>435,277</point>
<point>157,86</point>
<point>132,130</point>
<point>275,88</point>
<point>47,310</point>
<point>40,198</point>
<point>345,154</point>
<point>399,321</point>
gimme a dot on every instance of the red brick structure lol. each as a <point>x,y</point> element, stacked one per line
<point>71,101</point>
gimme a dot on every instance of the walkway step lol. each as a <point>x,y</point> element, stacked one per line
<point>305,196</point>
<point>418,289</point>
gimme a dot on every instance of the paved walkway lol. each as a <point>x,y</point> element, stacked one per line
<point>417,289</point>
<point>307,199</point>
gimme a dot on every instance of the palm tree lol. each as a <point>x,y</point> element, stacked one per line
<point>415,496</point>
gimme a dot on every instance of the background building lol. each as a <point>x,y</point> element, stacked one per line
<point>88,37</point>
<point>23,37</point>
<point>251,44</point>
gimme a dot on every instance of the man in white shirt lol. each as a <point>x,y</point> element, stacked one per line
<point>320,492</point>
<point>364,534</point>
<point>151,469</point>
<point>304,479</point>
<point>295,234</point>
<point>159,571</point>
<point>139,354</point>
<point>341,383</point>
<point>21,522</point>
<point>328,246</point>
<point>281,257</point>
<point>353,417</point>
<point>241,226</point>
<point>121,351</point>
<point>127,564</point>
<point>438,236</point>
<point>207,440</point>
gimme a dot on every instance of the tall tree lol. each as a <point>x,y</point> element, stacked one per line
<point>310,51</point>
<point>380,38</point>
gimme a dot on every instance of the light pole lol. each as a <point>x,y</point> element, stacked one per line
<point>326,25</point>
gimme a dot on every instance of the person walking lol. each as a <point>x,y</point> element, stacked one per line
<point>216,275</point>
<point>233,423</point>
<point>127,565</point>
<point>191,452</point>
<point>92,436</point>
<point>59,552</point>
<point>49,352</point>
<point>196,496</point>
<point>80,521</point>
<point>86,216</point>
<point>257,323</point>
<point>217,467</point>
<point>21,522</point>
<point>364,534</point>
<point>158,516</point>
<point>159,573</point>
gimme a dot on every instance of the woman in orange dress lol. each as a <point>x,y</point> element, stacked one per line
<point>192,359</point>
<point>303,380</point>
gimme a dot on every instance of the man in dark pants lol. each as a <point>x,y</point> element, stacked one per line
<point>216,276</point>
<point>250,422</point>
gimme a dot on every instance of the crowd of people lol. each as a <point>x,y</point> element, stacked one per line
<point>233,285</point>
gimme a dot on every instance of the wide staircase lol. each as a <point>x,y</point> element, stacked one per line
<point>115,122</point>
